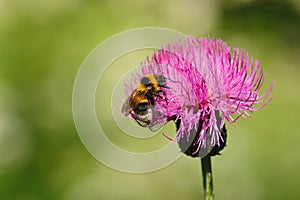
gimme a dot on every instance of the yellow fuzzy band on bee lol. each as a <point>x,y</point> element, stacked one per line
<point>138,96</point>
<point>152,79</point>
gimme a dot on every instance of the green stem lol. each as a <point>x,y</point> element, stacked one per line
<point>207,178</point>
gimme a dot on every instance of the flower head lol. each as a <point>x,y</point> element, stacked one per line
<point>204,85</point>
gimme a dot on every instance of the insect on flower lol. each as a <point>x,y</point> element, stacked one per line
<point>199,84</point>
<point>141,103</point>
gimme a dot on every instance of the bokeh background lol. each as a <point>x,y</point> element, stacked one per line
<point>42,45</point>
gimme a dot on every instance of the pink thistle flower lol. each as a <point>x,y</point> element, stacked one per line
<point>202,85</point>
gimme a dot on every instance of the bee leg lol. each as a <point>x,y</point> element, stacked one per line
<point>163,86</point>
<point>151,101</point>
<point>142,125</point>
<point>164,97</point>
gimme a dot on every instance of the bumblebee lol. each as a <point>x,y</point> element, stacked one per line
<point>141,103</point>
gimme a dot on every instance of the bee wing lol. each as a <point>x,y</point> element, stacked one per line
<point>158,120</point>
<point>126,108</point>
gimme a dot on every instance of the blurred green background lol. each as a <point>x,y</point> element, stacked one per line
<point>42,45</point>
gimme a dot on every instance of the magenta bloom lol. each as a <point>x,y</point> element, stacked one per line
<point>204,83</point>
